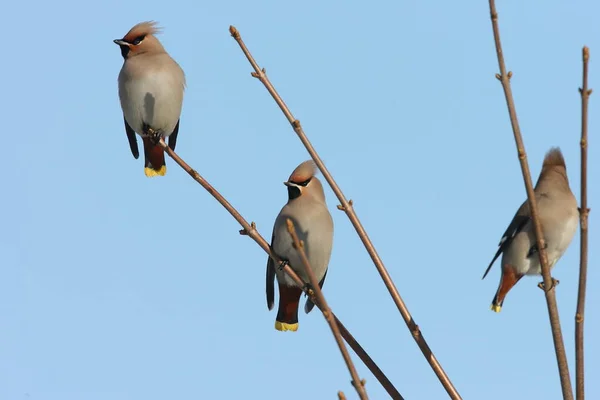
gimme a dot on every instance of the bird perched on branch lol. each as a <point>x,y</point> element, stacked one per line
<point>559,216</point>
<point>308,211</point>
<point>151,86</point>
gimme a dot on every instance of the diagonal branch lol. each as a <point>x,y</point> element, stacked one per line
<point>250,230</point>
<point>346,206</point>
<point>327,313</point>
<point>549,284</point>
<point>583,226</point>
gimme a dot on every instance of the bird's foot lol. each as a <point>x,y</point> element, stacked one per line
<point>555,283</point>
<point>308,290</point>
<point>153,134</point>
<point>283,264</point>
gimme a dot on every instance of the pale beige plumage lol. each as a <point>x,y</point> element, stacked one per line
<point>307,208</point>
<point>151,87</point>
<point>559,217</point>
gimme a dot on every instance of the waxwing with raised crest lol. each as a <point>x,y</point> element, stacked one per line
<point>307,209</point>
<point>151,86</point>
<point>559,217</point>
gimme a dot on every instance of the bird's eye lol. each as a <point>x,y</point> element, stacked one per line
<point>305,182</point>
<point>138,40</point>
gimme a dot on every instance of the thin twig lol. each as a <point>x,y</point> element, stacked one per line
<point>583,226</point>
<point>368,362</point>
<point>549,285</point>
<point>346,206</point>
<point>341,395</point>
<point>327,313</point>
<point>250,230</point>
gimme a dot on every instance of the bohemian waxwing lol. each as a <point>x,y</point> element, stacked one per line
<point>151,86</point>
<point>306,207</point>
<point>559,218</point>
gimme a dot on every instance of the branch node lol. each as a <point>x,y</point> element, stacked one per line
<point>300,245</point>
<point>296,124</point>
<point>579,318</point>
<point>246,232</point>
<point>416,332</point>
<point>584,212</point>
<point>345,208</point>
<point>499,77</point>
<point>259,75</point>
<point>509,74</point>
<point>583,217</point>
<point>194,174</point>
<point>362,383</point>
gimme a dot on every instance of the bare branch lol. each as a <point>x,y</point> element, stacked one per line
<point>341,395</point>
<point>368,362</point>
<point>327,313</point>
<point>250,230</point>
<point>548,285</point>
<point>583,226</point>
<point>347,207</point>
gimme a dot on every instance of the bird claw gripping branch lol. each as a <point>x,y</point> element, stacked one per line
<point>555,283</point>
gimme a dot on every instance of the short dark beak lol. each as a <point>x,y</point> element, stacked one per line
<point>287,184</point>
<point>121,42</point>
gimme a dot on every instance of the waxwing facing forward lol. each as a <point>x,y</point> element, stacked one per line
<point>306,207</point>
<point>151,86</point>
<point>559,217</point>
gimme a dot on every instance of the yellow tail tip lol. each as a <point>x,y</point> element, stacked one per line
<point>495,308</point>
<point>282,326</point>
<point>152,172</point>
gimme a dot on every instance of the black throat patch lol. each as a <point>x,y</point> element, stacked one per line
<point>124,51</point>
<point>293,192</point>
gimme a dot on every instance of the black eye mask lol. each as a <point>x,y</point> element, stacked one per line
<point>138,40</point>
<point>303,183</point>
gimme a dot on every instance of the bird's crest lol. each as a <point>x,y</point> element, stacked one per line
<point>303,172</point>
<point>142,29</point>
<point>554,158</point>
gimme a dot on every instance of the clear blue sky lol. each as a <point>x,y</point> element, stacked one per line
<point>115,286</point>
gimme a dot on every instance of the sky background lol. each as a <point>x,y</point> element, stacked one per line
<point>114,286</point>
